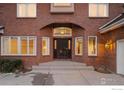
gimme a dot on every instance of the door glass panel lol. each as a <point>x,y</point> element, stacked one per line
<point>63,48</point>
<point>55,44</point>
<point>69,44</point>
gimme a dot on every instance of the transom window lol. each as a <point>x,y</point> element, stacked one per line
<point>78,45</point>
<point>62,32</point>
<point>98,10</point>
<point>92,46</point>
<point>45,46</point>
<point>18,45</point>
<point>26,10</point>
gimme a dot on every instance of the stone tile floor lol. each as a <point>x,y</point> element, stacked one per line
<point>61,73</point>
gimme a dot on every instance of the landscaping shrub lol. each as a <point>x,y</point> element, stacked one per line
<point>10,65</point>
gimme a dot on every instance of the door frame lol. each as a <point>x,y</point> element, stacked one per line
<point>117,52</point>
<point>62,38</point>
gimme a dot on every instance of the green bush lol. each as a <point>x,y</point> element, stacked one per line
<point>10,65</point>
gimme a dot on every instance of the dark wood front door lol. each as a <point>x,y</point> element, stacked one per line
<point>62,48</point>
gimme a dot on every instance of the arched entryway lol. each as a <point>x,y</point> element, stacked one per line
<point>66,41</point>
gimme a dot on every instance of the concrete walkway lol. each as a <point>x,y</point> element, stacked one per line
<point>62,73</point>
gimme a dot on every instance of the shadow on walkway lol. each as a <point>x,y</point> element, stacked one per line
<point>43,79</point>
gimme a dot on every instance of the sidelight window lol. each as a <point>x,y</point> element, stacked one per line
<point>92,46</point>
<point>78,45</point>
<point>45,46</point>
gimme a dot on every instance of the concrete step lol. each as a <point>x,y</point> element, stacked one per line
<point>63,68</point>
<point>62,64</point>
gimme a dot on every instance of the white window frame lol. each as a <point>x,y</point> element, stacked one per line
<point>48,46</point>
<point>96,46</point>
<point>19,46</point>
<point>75,46</point>
<point>62,8</point>
<point>107,11</point>
<point>26,16</point>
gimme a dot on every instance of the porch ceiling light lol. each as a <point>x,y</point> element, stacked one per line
<point>62,32</point>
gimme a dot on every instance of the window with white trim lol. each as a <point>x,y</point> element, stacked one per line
<point>92,45</point>
<point>26,10</point>
<point>18,45</point>
<point>45,46</point>
<point>78,45</point>
<point>98,10</point>
<point>62,8</point>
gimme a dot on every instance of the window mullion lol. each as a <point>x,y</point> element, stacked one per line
<point>107,9</point>
<point>97,10</point>
<point>9,45</point>
<point>2,49</point>
<point>27,45</point>
<point>28,6</point>
<point>26,14</point>
<point>34,50</point>
<point>19,46</point>
<point>75,46</point>
<point>48,46</point>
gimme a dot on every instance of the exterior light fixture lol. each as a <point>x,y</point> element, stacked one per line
<point>108,44</point>
<point>62,32</point>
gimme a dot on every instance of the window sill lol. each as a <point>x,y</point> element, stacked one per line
<point>26,17</point>
<point>92,55</point>
<point>62,12</point>
<point>18,55</point>
<point>46,55</point>
<point>98,17</point>
<point>79,55</point>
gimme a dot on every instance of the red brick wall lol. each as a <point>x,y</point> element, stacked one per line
<point>32,26</point>
<point>110,54</point>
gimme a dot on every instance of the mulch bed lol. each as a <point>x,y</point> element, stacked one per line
<point>103,69</point>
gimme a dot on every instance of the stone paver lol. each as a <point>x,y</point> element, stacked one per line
<point>62,73</point>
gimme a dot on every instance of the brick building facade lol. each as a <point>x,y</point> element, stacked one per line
<point>75,19</point>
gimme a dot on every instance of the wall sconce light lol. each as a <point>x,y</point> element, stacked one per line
<point>108,44</point>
